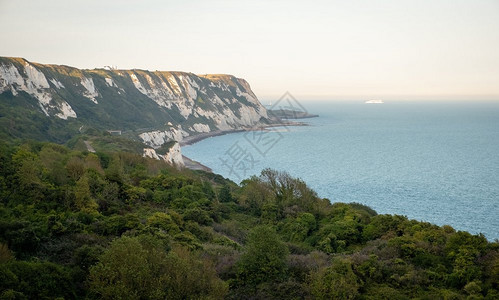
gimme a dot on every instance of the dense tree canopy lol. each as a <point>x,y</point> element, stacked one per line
<point>119,226</point>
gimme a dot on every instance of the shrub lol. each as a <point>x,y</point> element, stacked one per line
<point>265,257</point>
<point>337,281</point>
<point>131,270</point>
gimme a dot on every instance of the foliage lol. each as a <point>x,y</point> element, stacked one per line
<point>134,268</point>
<point>75,224</point>
<point>337,281</point>
<point>264,259</point>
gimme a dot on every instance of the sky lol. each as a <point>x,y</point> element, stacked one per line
<point>388,49</point>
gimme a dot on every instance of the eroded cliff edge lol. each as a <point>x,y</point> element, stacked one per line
<point>39,101</point>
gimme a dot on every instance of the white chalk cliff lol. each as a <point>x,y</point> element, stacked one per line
<point>157,107</point>
<point>173,156</point>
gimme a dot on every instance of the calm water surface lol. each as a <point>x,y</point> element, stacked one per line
<point>431,161</point>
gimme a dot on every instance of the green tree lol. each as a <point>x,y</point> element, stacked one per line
<point>36,280</point>
<point>297,229</point>
<point>83,197</point>
<point>337,281</point>
<point>225,194</point>
<point>135,268</point>
<point>164,222</point>
<point>265,257</point>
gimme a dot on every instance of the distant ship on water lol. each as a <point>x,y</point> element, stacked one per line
<point>375,102</point>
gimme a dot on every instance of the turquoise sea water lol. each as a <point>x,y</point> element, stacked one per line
<point>430,161</point>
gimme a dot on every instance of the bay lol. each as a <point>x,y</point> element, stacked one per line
<point>431,161</point>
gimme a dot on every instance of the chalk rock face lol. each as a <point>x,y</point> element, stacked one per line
<point>21,76</point>
<point>178,104</point>
<point>206,103</point>
<point>157,138</point>
<point>173,156</point>
<point>155,107</point>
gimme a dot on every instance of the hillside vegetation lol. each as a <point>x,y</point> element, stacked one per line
<point>115,225</point>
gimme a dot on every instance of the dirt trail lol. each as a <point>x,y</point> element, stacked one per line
<point>89,147</point>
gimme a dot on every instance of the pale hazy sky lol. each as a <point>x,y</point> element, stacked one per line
<point>395,49</point>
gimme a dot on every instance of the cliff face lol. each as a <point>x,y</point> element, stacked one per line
<point>153,106</point>
<point>173,156</point>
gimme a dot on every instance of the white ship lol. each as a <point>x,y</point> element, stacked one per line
<point>375,102</point>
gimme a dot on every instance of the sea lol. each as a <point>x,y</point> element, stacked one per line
<point>434,161</point>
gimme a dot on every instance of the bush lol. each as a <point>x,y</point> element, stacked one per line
<point>130,269</point>
<point>164,222</point>
<point>265,257</point>
<point>337,281</point>
<point>36,280</point>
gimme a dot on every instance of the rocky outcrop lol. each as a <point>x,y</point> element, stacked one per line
<point>173,156</point>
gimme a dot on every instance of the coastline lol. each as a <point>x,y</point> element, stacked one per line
<point>189,140</point>
<point>195,165</point>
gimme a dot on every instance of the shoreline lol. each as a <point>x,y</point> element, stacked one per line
<point>195,165</point>
<point>190,140</point>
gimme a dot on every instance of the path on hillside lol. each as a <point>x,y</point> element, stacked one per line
<point>89,147</point>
